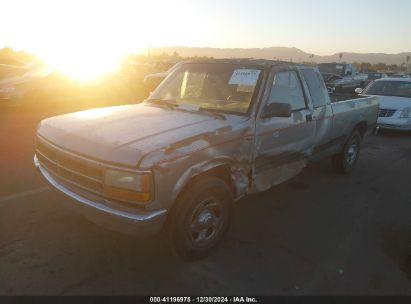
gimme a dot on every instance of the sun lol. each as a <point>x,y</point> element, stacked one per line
<point>85,65</point>
<point>88,39</point>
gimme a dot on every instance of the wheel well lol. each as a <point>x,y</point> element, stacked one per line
<point>222,172</point>
<point>361,127</point>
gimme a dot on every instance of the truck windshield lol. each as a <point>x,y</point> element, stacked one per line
<point>332,68</point>
<point>221,87</point>
<point>390,88</point>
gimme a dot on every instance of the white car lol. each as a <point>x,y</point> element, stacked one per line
<point>395,102</point>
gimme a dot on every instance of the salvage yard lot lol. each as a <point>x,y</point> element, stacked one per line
<point>318,234</point>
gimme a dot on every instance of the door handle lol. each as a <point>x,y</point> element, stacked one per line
<point>309,117</point>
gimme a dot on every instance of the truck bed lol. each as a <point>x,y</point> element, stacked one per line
<point>337,97</point>
<point>350,109</point>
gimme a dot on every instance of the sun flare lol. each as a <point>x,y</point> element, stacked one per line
<point>87,39</point>
<point>84,67</point>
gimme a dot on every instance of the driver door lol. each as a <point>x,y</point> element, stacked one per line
<point>282,144</point>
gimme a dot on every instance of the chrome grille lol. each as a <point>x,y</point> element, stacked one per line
<point>73,169</point>
<point>386,112</point>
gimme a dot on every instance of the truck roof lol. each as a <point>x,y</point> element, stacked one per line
<point>264,63</point>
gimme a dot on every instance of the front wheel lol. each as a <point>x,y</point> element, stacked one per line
<point>345,161</point>
<point>200,218</point>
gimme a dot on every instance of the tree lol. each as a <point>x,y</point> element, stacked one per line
<point>408,59</point>
<point>366,66</point>
<point>380,66</point>
<point>393,67</point>
<point>340,56</point>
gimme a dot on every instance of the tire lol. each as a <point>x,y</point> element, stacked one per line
<point>345,161</point>
<point>200,218</point>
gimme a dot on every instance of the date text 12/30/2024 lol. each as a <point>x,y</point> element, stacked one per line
<point>203,300</point>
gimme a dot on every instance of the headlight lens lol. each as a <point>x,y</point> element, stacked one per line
<point>406,113</point>
<point>128,186</point>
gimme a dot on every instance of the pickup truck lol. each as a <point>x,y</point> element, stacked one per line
<point>342,77</point>
<point>210,134</point>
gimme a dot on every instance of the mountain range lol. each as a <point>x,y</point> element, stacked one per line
<point>281,53</point>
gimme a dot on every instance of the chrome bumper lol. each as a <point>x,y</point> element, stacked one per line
<point>394,123</point>
<point>142,224</point>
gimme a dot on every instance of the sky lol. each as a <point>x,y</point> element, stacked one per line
<point>57,27</point>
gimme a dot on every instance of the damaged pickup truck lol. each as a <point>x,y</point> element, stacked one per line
<point>210,134</point>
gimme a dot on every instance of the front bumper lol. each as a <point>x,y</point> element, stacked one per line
<point>394,123</point>
<point>142,224</point>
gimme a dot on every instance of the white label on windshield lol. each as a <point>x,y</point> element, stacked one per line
<point>244,77</point>
<point>339,67</point>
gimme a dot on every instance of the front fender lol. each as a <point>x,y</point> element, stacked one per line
<point>238,174</point>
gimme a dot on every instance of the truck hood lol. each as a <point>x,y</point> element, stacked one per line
<point>395,103</point>
<point>124,134</point>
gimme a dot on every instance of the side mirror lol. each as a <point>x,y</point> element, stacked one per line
<point>358,91</point>
<point>277,110</point>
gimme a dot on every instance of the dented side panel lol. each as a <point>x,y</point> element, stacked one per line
<point>175,165</point>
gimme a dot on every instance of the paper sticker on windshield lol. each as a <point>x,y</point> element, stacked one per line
<point>244,77</point>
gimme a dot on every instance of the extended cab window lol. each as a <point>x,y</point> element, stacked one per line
<point>287,89</point>
<point>316,86</point>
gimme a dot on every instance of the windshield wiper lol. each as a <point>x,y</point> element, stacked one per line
<point>170,103</point>
<point>212,113</point>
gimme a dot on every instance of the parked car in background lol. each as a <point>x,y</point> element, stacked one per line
<point>44,89</point>
<point>374,76</point>
<point>400,75</point>
<point>342,77</point>
<point>395,102</point>
<point>7,70</point>
<point>211,133</point>
<point>15,88</point>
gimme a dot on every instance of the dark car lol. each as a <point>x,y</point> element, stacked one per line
<point>372,76</point>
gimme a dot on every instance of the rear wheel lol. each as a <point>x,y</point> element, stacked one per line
<point>200,218</point>
<point>345,161</point>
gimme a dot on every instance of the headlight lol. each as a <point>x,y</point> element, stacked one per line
<point>128,186</point>
<point>406,113</point>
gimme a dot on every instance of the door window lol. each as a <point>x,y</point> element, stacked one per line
<point>316,86</point>
<point>287,89</point>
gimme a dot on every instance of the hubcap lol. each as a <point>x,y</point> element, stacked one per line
<point>206,222</point>
<point>352,154</point>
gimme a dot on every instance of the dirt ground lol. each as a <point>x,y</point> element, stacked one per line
<point>319,234</point>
